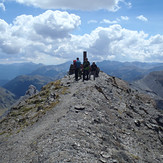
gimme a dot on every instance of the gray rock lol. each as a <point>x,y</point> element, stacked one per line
<point>137,123</point>
<point>31,91</point>
<point>91,122</point>
<point>79,107</point>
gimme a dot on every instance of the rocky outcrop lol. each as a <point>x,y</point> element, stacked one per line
<point>91,121</point>
<point>20,84</point>
<point>29,93</point>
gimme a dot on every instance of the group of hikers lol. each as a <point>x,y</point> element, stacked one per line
<point>84,69</point>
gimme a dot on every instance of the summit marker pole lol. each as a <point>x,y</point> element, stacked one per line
<point>84,56</point>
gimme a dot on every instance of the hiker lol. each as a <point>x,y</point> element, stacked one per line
<point>94,71</point>
<point>80,71</point>
<point>86,69</point>
<point>77,68</point>
<point>74,63</point>
<point>72,68</point>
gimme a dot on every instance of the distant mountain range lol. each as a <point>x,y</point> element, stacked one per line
<point>10,71</point>
<point>129,71</point>
<point>16,78</point>
<point>53,71</point>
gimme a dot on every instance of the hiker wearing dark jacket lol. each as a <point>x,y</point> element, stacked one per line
<point>93,70</point>
<point>93,67</point>
<point>77,68</point>
<point>86,69</point>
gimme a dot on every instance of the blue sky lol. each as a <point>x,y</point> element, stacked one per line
<point>54,31</point>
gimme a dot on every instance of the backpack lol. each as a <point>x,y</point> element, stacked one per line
<point>78,63</point>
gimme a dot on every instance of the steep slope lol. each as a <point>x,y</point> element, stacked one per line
<point>6,100</point>
<point>153,81</point>
<point>152,84</point>
<point>20,84</point>
<point>92,121</point>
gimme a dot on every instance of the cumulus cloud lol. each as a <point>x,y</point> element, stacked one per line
<point>111,5</point>
<point>142,18</point>
<point>31,36</point>
<point>124,17</point>
<point>121,44</point>
<point>3,26</point>
<point>92,21</point>
<point>48,38</point>
<point>2,6</point>
<point>114,43</point>
<point>107,21</point>
<point>128,4</point>
<point>118,43</point>
<point>50,24</point>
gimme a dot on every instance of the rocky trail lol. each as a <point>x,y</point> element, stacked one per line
<point>101,121</point>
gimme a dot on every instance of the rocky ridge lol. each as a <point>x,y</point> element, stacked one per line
<point>91,121</point>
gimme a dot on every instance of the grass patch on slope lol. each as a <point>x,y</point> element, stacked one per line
<point>28,112</point>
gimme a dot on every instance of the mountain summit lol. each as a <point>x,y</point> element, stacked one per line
<point>94,121</point>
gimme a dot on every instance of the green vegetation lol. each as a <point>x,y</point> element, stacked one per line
<point>134,156</point>
<point>29,111</point>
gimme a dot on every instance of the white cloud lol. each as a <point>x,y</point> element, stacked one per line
<point>142,18</point>
<point>92,21</point>
<point>3,26</point>
<point>114,43</point>
<point>107,21</point>
<point>127,45</point>
<point>157,39</point>
<point>2,6</point>
<point>124,17</point>
<point>47,38</point>
<point>129,4</point>
<point>29,36</point>
<point>50,24</point>
<point>111,5</point>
